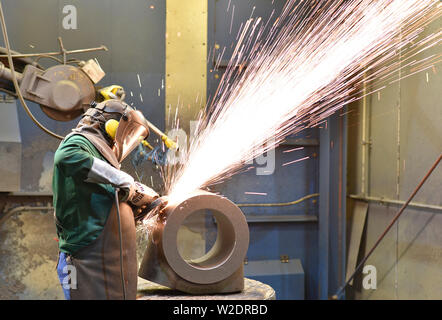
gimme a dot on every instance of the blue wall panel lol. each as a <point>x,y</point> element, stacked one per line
<point>134,35</point>
<point>318,244</point>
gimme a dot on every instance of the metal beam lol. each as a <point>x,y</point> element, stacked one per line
<point>398,202</point>
<point>186,60</point>
<point>324,211</point>
<point>280,218</point>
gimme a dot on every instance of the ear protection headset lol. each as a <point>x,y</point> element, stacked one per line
<point>111,127</point>
<point>108,93</point>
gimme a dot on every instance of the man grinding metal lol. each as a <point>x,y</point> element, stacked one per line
<point>97,258</point>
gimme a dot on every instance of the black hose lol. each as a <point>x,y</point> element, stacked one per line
<point>117,204</point>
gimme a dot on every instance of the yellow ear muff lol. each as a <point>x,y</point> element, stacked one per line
<point>111,127</point>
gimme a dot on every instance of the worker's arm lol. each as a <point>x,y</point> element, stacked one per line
<point>75,161</point>
<point>103,172</point>
<point>135,192</point>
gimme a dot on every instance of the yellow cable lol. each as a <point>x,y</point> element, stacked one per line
<point>280,204</point>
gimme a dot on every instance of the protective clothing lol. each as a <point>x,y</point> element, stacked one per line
<point>141,195</point>
<point>136,193</point>
<point>95,268</point>
<point>132,129</point>
<point>91,126</point>
<point>81,208</point>
<point>86,173</point>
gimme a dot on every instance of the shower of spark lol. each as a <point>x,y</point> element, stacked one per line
<point>292,74</point>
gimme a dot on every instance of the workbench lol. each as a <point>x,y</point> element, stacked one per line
<point>253,290</point>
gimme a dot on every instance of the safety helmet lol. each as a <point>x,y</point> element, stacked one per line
<point>124,126</point>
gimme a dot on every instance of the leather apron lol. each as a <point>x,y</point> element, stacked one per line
<point>98,264</point>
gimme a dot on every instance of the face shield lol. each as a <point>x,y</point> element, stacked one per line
<point>132,129</point>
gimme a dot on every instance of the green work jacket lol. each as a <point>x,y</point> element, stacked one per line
<point>81,208</point>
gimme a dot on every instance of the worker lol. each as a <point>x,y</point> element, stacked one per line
<point>86,175</point>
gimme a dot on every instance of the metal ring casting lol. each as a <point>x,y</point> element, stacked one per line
<point>229,250</point>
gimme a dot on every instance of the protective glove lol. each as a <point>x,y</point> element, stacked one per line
<point>133,192</point>
<point>141,195</point>
<point>103,172</point>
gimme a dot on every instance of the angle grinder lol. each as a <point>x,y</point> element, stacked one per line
<point>155,208</point>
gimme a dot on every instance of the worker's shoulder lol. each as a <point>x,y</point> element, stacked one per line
<point>76,140</point>
<point>72,145</point>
